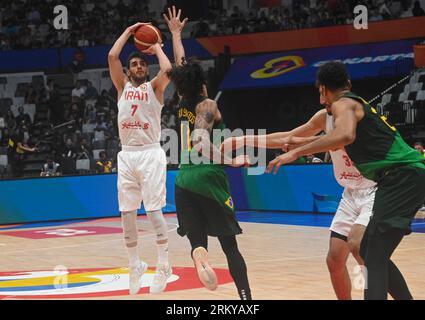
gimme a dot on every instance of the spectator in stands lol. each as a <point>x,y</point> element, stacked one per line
<point>69,150</point>
<point>77,64</point>
<point>31,96</point>
<point>262,22</point>
<point>420,147</point>
<point>49,88</point>
<point>91,92</point>
<point>34,15</point>
<point>168,120</point>
<point>112,116</point>
<point>83,42</point>
<point>201,29</point>
<point>16,152</point>
<point>78,92</point>
<point>101,124</point>
<point>103,165</point>
<point>75,112</point>
<point>84,151</point>
<point>417,10</point>
<point>375,16</point>
<point>10,120</point>
<point>5,135</point>
<point>105,100</point>
<point>50,168</point>
<point>384,11</point>
<point>90,114</point>
<point>22,119</point>
<point>55,106</point>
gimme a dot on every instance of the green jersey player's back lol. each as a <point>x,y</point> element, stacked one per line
<point>186,121</point>
<point>378,145</point>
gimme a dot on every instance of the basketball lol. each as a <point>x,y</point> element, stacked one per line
<point>146,36</point>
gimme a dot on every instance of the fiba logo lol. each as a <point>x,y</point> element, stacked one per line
<point>278,66</point>
<point>61,21</point>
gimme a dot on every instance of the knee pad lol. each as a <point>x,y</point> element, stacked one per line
<point>129,226</point>
<point>158,222</point>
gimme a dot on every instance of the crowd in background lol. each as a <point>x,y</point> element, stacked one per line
<point>26,24</point>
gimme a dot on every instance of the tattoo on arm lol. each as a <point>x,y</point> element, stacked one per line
<point>204,120</point>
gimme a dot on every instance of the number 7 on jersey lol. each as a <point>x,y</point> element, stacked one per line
<point>134,107</point>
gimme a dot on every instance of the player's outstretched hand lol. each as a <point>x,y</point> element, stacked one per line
<point>241,161</point>
<point>173,20</point>
<point>280,160</point>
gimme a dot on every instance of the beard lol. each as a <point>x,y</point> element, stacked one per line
<point>138,79</point>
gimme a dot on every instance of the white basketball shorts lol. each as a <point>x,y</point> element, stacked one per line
<point>355,207</point>
<point>142,172</point>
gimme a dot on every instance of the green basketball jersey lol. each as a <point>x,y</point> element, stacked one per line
<point>378,145</point>
<point>206,178</point>
<point>186,121</point>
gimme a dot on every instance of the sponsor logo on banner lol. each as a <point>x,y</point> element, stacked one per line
<point>278,66</point>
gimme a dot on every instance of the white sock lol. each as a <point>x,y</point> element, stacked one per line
<point>162,253</point>
<point>133,256</point>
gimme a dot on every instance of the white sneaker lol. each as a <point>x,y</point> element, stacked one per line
<point>159,283</point>
<point>135,278</point>
<point>205,273</point>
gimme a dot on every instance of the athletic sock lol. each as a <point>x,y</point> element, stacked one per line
<point>133,256</point>
<point>162,250</point>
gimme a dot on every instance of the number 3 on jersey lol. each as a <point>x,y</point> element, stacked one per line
<point>134,108</point>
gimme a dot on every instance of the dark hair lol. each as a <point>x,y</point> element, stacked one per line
<point>188,78</point>
<point>419,143</point>
<point>333,75</point>
<point>135,54</point>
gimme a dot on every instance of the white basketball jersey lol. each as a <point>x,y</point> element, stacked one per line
<point>139,115</point>
<point>345,172</point>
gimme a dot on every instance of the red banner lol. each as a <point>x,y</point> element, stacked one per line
<point>316,37</point>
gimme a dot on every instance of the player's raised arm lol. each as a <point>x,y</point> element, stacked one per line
<point>115,67</point>
<point>176,26</point>
<point>161,81</point>
<point>278,140</point>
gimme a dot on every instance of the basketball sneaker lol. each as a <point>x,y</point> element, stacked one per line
<point>135,278</point>
<point>159,283</point>
<point>206,274</point>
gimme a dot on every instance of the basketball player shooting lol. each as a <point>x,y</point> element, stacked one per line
<point>142,162</point>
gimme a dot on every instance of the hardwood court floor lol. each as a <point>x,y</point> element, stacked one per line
<point>284,261</point>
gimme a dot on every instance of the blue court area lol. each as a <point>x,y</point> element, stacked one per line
<point>284,218</point>
<point>304,219</point>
